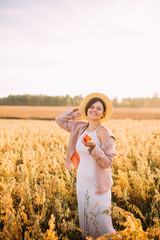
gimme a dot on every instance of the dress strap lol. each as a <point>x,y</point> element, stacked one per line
<point>98,127</point>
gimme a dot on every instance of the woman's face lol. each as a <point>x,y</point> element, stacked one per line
<point>95,111</point>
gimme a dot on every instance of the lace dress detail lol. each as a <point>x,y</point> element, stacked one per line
<point>94,209</point>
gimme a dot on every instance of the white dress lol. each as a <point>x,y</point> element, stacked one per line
<point>94,209</point>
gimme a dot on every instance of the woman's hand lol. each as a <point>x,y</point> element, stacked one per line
<point>90,144</point>
<point>76,113</point>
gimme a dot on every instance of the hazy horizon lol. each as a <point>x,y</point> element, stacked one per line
<point>156,94</point>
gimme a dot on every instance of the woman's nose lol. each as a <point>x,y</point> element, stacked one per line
<point>94,110</point>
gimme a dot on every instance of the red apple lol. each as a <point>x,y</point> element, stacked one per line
<point>87,138</point>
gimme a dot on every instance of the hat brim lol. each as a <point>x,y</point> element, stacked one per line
<point>105,99</point>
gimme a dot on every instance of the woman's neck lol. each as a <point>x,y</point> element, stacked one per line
<point>93,125</point>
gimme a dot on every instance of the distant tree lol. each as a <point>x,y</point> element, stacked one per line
<point>44,100</point>
<point>155,102</point>
<point>126,102</point>
<point>67,100</point>
<point>115,102</point>
<point>77,100</point>
<point>156,95</point>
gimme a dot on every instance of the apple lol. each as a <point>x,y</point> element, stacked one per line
<point>87,138</point>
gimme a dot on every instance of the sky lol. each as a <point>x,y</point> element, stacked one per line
<point>75,47</point>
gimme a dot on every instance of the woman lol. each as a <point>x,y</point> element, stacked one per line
<point>93,160</point>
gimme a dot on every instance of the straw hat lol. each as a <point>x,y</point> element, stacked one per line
<point>103,97</point>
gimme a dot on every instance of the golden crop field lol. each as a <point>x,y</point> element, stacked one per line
<point>38,195</point>
<point>33,112</point>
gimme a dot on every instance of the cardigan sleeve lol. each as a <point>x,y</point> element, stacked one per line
<point>66,120</point>
<point>105,153</point>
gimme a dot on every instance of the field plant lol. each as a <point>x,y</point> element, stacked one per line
<point>38,195</point>
<point>51,112</point>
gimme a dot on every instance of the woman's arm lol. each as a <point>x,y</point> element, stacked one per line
<point>66,119</point>
<point>104,155</point>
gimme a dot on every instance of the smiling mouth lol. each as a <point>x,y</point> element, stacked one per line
<point>94,114</point>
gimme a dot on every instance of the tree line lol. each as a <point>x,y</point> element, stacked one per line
<point>153,102</point>
<point>44,100</point>
<point>40,100</point>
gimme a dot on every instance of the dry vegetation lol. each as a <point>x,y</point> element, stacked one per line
<point>24,112</point>
<point>38,195</point>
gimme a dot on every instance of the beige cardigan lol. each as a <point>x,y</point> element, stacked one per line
<point>103,155</point>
